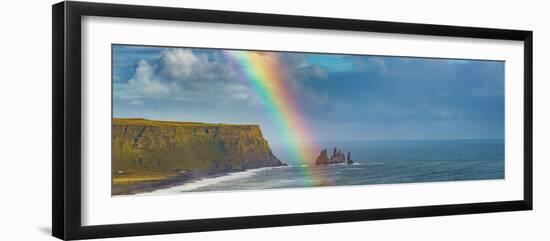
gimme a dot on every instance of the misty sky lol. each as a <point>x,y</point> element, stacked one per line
<point>341,97</point>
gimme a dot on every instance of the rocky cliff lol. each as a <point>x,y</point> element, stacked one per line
<point>337,157</point>
<point>146,146</point>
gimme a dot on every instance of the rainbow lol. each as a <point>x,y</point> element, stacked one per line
<point>268,79</point>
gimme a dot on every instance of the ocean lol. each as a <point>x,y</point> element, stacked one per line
<point>376,162</point>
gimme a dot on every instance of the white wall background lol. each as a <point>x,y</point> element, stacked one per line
<point>25,107</point>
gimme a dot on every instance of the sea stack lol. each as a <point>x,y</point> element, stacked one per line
<point>349,160</point>
<point>337,157</point>
<point>322,158</point>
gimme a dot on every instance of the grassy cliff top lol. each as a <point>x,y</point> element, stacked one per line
<point>145,122</point>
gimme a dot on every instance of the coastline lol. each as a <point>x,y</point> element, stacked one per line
<point>149,154</point>
<point>172,181</point>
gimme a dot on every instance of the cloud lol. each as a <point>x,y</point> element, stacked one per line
<point>409,97</point>
<point>146,83</point>
<point>203,76</point>
<point>181,63</point>
<point>366,63</point>
<point>182,75</point>
<point>304,78</point>
<point>184,65</point>
<point>310,72</point>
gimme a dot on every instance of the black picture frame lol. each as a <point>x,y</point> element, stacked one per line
<point>66,159</point>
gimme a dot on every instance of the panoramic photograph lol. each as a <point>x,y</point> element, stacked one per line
<point>189,119</point>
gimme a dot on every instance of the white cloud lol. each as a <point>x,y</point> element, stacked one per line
<point>180,63</point>
<point>146,83</point>
<point>182,75</point>
<point>193,76</point>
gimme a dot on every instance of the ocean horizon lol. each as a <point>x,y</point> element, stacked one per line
<point>375,162</point>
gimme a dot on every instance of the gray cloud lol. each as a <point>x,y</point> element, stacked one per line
<point>305,79</point>
<point>182,75</point>
<point>193,76</point>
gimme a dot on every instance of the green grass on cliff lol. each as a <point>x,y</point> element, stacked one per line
<point>146,122</point>
<point>149,150</point>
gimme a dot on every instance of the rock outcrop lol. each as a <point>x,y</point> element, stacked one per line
<point>337,157</point>
<point>144,146</point>
<point>349,160</point>
<point>322,158</point>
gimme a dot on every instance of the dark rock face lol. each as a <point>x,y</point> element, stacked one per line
<point>322,158</point>
<point>337,157</point>
<point>349,161</point>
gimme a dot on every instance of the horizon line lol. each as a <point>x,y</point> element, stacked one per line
<point>415,139</point>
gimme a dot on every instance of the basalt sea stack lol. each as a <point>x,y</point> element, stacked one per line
<point>337,157</point>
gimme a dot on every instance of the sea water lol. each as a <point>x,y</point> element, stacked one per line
<point>376,162</point>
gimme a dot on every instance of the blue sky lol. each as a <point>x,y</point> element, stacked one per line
<point>341,97</point>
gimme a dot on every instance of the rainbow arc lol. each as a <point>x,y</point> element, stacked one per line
<point>268,79</point>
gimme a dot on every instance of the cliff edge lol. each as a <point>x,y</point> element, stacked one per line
<point>163,147</point>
